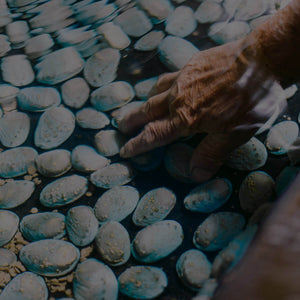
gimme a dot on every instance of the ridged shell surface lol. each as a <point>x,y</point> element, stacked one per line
<point>91,118</point>
<point>9,223</point>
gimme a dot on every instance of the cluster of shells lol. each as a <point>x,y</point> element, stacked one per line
<point>78,221</point>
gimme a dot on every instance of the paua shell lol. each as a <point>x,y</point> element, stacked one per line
<point>8,100</point>
<point>14,129</point>
<point>45,225</point>
<point>143,88</point>
<point>25,286</point>
<point>116,204</point>
<point>208,196</point>
<point>113,95</point>
<point>50,257</point>
<point>207,290</point>
<point>154,206</point>
<point>112,175</point>
<point>91,118</point>
<point>54,163</point>
<point>285,178</point>
<point>193,268</point>
<point>7,257</point>
<point>113,243</point>
<point>15,162</point>
<point>157,241</point>
<point>38,45</point>
<point>4,44</point>
<point>142,282</point>
<point>87,159</point>
<point>94,280</point>
<point>149,41</point>
<point>158,10</point>
<point>209,12</point>
<point>15,193</point>
<point>18,33</point>
<point>55,126</point>
<point>81,225</point>
<point>63,191</point>
<point>217,230</point>
<point>9,223</point>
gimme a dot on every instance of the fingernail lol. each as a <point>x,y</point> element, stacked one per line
<point>201,175</point>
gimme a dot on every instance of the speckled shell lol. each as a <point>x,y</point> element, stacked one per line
<point>113,243</point>
<point>46,225</point>
<point>50,257</point>
<point>81,225</point>
<point>257,188</point>
<point>91,118</point>
<point>209,12</point>
<point>25,286</point>
<point>157,241</point>
<point>15,162</point>
<point>285,178</point>
<point>94,280</point>
<point>112,175</point>
<point>7,257</point>
<point>55,126</point>
<point>15,193</point>
<point>59,65</point>
<point>149,41</point>
<point>63,191</point>
<point>116,204</point>
<point>193,268</point>
<point>9,223</point>
<point>217,230</point>
<point>142,88</point>
<point>249,156</point>
<point>208,196</point>
<point>87,159</point>
<point>38,98</point>
<point>14,129</point>
<point>54,163</point>
<point>159,10</point>
<point>154,206</point>
<point>148,161</point>
<point>141,282</point>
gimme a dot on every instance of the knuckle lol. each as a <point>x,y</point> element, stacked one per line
<point>151,133</point>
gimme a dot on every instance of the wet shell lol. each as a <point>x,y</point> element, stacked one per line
<point>91,118</point>
<point>55,126</point>
<point>75,92</point>
<point>113,175</point>
<point>175,60</point>
<point>86,159</point>
<point>59,65</point>
<point>15,162</point>
<point>116,204</point>
<point>63,191</point>
<point>113,243</point>
<point>141,282</point>
<point>149,41</point>
<point>157,241</point>
<point>249,156</point>
<point>101,68</point>
<point>148,161</point>
<point>38,45</point>
<point>14,129</point>
<point>54,163</point>
<point>157,9</point>
<point>109,142</point>
<point>209,12</point>
<point>193,268</point>
<point>217,230</point>
<point>50,257</point>
<point>4,45</point>
<point>143,88</point>
<point>7,257</point>
<point>38,98</point>
<point>25,286</point>
<point>46,225</point>
<point>154,206</point>
<point>82,225</point>
<point>18,33</point>
<point>208,196</point>
<point>9,223</point>
<point>8,100</point>
<point>15,193</point>
<point>285,179</point>
<point>94,280</point>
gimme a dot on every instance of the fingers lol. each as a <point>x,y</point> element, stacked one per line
<point>163,83</point>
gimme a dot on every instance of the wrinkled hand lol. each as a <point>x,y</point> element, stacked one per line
<point>219,92</point>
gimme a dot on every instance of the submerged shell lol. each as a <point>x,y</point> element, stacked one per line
<point>116,204</point>
<point>141,282</point>
<point>157,9</point>
<point>285,179</point>
<point>154,206</point>
<point>63,191</point>
<point>94,280</point>
<point>14,129</point>
<point>55,126</point>
<point>91,118</point>
<point>15,193</point>
<point>208,196</point>
<point>149,41</point>
<point>54,163</point>
<point>8,100</point>
<point>217,230</point>
<point>50,257</point>
<point>157,241</point>
<point>209,12</point>
<point>9,223</point>
<point>143,88</point>
<point>148,161</point>
<point>4,44</point>
<point>113,243</point>
<point>46,225</point>
<point>38,45</point>
<point>7,257</point>
<point>193,268</point>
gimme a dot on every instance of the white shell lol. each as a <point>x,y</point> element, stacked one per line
<point>9,223</point>
<point>91,118</point>
<point>7,257</point>
<point>8,97</point>
<point>149,41</point>
<point>38,45</point>
<point>143,88</point>
<point>72,36</point>
<point>18,32</point>
<point>4,45</point>
<point>157,9</point>
<point>208,12</point>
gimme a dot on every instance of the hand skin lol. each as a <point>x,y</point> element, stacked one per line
<point>228,92</point>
